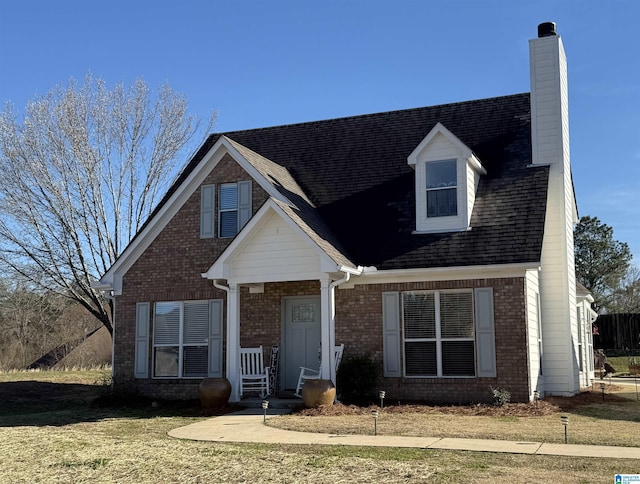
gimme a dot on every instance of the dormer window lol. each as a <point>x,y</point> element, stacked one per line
<point>447,177</point>
<point>442,183</point>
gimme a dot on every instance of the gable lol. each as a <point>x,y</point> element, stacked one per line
<point>273,247</point>
<point>178,216</point>
<point>274,252</point>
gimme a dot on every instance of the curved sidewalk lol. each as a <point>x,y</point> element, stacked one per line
<point>247,426</point>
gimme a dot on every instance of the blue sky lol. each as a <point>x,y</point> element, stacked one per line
<point>264,63</point>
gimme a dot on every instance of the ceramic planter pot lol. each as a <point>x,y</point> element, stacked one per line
<point>318,392</point>
<point>214,392</point>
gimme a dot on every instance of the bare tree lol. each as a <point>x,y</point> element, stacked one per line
<point>626,297</point>
<point>79,175</point>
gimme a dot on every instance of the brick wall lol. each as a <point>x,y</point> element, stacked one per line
<point>362,306</point>
<point>169,270</point>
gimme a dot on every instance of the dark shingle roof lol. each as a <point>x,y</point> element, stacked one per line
<point>355,173</point>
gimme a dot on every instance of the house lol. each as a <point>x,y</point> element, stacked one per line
<point>586,316</point>
<point>437,240</point>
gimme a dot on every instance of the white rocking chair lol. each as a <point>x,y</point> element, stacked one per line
<point>310,374</point>
<point>253,375</point>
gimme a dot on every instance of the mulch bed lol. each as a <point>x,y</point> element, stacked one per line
<point>548,406</point>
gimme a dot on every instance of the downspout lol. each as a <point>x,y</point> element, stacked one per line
<point>225,289</point>
<point>220,286</point>
<point>332,320</point>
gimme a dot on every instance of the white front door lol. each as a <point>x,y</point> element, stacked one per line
<point>301,337</point>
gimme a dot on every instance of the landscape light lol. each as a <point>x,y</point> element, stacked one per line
<point>565,421</point>
<point>375,414</point>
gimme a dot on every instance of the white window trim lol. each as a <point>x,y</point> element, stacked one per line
<point>436,189</point>
<point>540,345</point>
<point>243,206</point>
<point>468,170</point>
<point>581,325</point>
<point>438,339</point>
<point>180,345</point>
<point>221,210</point>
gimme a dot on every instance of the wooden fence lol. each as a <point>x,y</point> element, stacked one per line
<point>618,333</point>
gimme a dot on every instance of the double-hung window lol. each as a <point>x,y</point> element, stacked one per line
<point>442,188</point>
<point>181,339</point>
<point>580,332</point>
<point>438,333</point>
<point>228,219</point>
<point>234,209</point>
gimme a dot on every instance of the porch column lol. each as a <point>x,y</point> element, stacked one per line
<point>233,341</point>
<point>325,330</point>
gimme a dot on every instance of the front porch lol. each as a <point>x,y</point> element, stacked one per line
<point>296,316</point>
<point>278,246</point>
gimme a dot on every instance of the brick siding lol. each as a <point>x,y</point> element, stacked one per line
<point>170,268</point>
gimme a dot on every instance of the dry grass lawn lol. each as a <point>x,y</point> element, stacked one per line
<point>67,440</point>
<point>592,420</point>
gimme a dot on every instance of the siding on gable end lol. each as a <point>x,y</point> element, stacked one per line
<point>275,253</point>
<point>472,184</point>
<point>440,148</point>
<point>533,324</point>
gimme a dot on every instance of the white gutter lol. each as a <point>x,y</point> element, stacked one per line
<point>219,286</point>
<point>332,315</point>
<point>227,290</point>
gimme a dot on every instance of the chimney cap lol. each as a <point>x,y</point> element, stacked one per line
<point>547,29</point>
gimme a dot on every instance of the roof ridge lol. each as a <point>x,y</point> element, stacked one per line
<point>360,116</point>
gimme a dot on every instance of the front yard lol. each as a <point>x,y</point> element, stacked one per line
<point>53,434</point>
<point>614,420</point>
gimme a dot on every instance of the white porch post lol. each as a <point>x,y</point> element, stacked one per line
<point>325,329</point>
<point>233,341</point>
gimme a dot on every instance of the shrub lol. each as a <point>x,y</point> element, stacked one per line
<point>356,380</point>
<point>500,396</point>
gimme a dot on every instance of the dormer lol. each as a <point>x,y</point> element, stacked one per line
<point>447,173</point>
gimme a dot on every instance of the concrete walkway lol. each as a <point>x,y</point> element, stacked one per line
<point>247,426</point>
